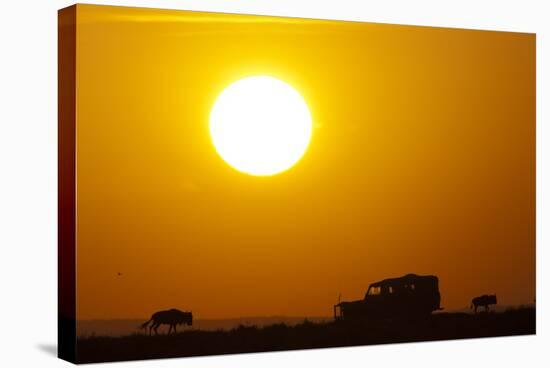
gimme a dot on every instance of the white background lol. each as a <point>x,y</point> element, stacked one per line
<point>28,181</point>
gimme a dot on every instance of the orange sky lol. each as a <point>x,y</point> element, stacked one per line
<point>422,160</point>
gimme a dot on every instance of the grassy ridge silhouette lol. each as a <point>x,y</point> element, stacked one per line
<point>306,335</point>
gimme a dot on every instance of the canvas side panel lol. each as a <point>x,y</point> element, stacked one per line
<point>66,183</point>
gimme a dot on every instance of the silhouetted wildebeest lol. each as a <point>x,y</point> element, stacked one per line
<point>483,301</point>
<point>172,317</point>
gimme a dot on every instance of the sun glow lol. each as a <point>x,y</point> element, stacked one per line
<point>260,125</point>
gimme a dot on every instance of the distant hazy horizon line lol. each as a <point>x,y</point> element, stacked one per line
<point>210,318</point>
<point>497,307</point>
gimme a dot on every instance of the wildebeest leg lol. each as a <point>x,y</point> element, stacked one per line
<point>175,330</point>
<point>475,308</point>
<point>151,329</point>
<point>156,328</point>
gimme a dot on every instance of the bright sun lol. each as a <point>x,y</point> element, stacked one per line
<point>260,125</point>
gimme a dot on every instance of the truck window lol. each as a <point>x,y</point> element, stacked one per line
<point>374,290</point>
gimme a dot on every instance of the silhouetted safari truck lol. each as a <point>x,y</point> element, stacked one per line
<point>410,296</point>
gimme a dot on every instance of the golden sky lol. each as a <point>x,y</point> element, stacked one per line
<point>422,160</point>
